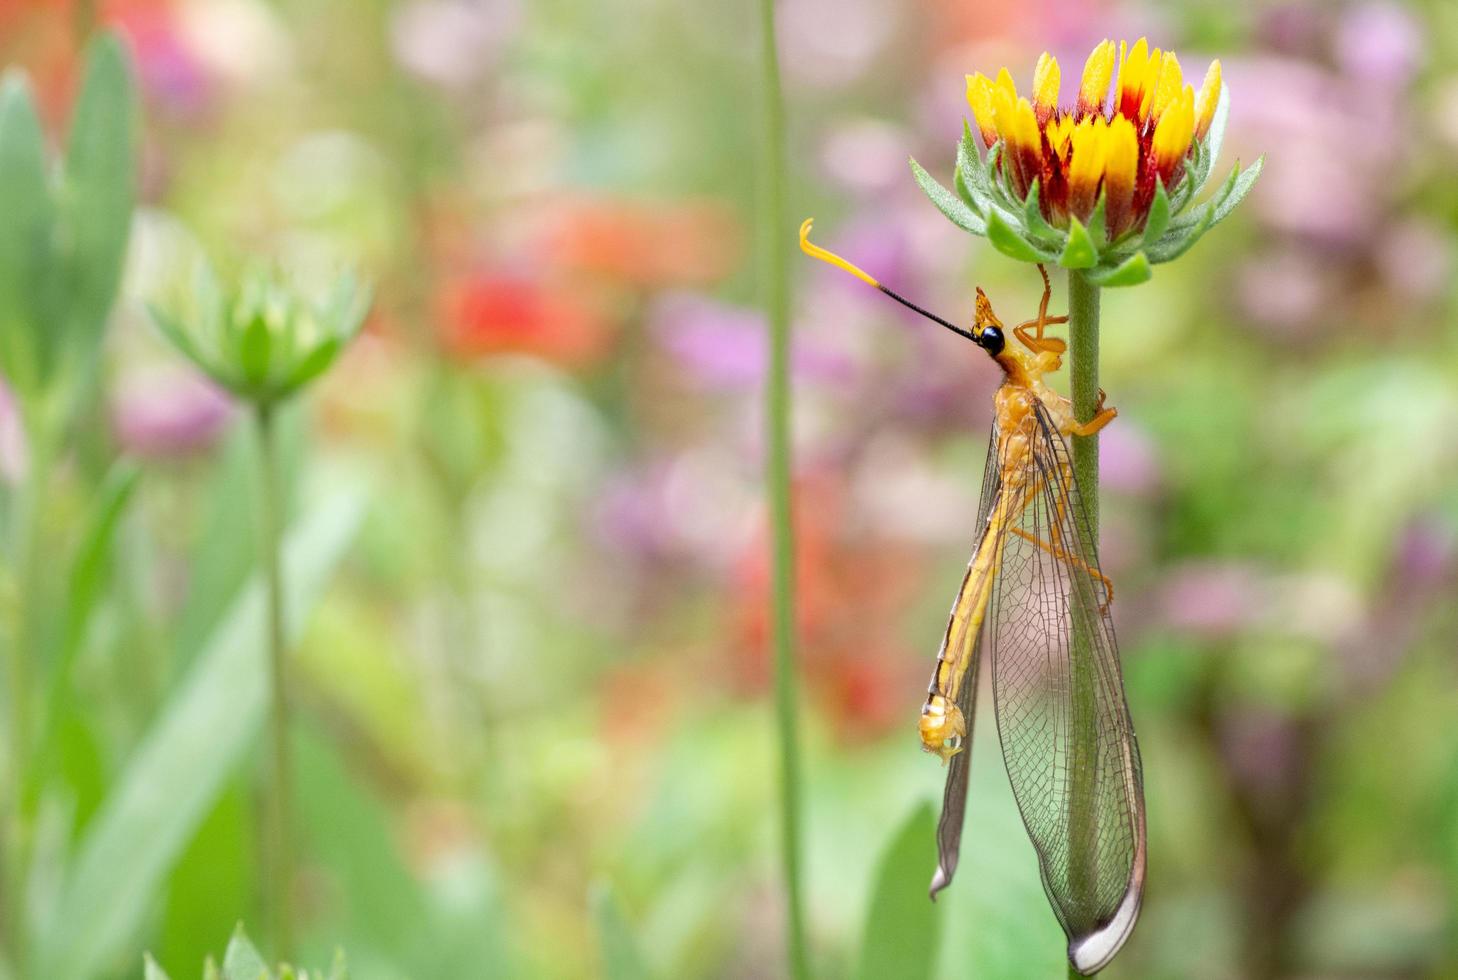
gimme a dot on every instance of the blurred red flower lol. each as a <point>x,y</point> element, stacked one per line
<point>851,595</point>
<point>502,314</point>
<point>645,245</point>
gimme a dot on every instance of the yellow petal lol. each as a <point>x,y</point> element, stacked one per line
<point>1045,86</point>
<point>1098,70</point>
<point>979,98</point>
<point>1168,86</point>
<point>1209,98</point>
<point>1172,134</point>
<point>1023,132</point>
<point>1058,132</point>
<point>1121,159</point>
<point>1132,63</point>
<point>1148,84</point>
<point>1006,84</point>
<point>1086,165</point>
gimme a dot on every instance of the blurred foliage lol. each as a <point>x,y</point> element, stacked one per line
<point>243,962</point>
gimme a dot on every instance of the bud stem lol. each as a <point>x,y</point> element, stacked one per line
<point>1083,369</point>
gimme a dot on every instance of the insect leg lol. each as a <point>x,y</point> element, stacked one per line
<point>1062,555</point>
<point>1037,343</point>
<point>1102,417</point>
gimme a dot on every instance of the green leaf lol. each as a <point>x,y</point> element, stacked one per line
<point>150,969</point>
<point>1010,243</point>
<point>1080,252</point>
<point>87,576</point>
<point>173,777</point>
<point>242,961</point>
<point>98,187</point>
<point>1158,219</point>
<point>903,926</point>
<point>27,229</point>
<point>948,203</point>
<point>1131,272</point>
<point>621,957</point>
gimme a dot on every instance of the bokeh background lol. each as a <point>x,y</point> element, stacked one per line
<point>539,672</point>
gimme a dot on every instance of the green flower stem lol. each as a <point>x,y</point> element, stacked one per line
<point>278,807</point>
<point>1083,369</point>
<point>777,396</point>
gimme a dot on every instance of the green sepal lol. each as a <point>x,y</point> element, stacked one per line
<point>1080,252</point>
<point>241,961</point>
<point>1010,243</point>
<point>1131,272</point>
<point>1177,243</point>
<point>255,349</point>
<point>1183,235</point>
<point>1194,217</point>
<point>314,363</point>
<point>1159,215</point>
<point>1239,188</point>
<point>1033,223</point>
<point>949,204</point>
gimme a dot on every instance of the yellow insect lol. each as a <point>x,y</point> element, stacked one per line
<point>1035,606</point>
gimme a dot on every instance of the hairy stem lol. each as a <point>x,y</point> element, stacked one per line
<point>777,411</point>
<point>1083,368</point>
<point>278,807</point>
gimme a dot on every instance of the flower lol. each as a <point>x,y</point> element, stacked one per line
<point>645,245</point>
<point>491,314</point>
<point>161,413</point>
<point>266,340</point>
<point>1101,184</point>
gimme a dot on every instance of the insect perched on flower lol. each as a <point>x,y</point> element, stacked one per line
<point>1105,183</point>
<point>1035,607</point>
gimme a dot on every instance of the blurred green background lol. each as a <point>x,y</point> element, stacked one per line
<point>528,558</point>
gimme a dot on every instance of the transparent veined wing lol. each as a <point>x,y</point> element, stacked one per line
<point>962,636</point>
<point>1055,674</point>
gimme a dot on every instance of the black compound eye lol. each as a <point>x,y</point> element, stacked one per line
<point>991,340</point>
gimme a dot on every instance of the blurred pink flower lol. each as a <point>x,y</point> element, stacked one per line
<point>866,155</point>
<point>452,42</point>
<point>1416,258</point>
<point>172,76</point>
<point>1381,44</point>
<point>1427,551</point>
<point>168,412</point>
<point>1128,460</point>
<point>1211,600</point>
<point>724,347</point>
<point>830,43</point>
<point>1323,184</point>
<point>1284,289</point>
